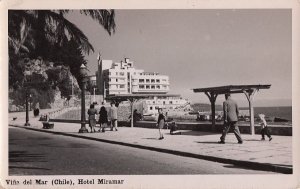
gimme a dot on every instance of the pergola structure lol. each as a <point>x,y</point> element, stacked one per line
<point>249,90</point>
<point>132,98</point>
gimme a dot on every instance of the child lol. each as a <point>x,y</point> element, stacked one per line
<point>264,127</point>
<point>173,128</point>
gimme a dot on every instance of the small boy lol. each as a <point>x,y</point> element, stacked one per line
<point>264,127</point>
<point>173,128</point>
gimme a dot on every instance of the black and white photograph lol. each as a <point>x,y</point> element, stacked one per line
<point>99,95</point>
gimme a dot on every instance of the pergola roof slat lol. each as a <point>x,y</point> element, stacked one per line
<point>230,89</point>
<point>248,90</point>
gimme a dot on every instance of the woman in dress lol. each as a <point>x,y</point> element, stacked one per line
<point>92,117</point>
<point>161,123</point>
<point>103,120</point>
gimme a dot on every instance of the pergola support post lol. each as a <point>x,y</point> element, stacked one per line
<point>212,98</point>
<point>132,101</point>
<point>250,97</point>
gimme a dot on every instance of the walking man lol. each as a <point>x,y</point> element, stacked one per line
<point>113,116</point>
<point>231,113</point>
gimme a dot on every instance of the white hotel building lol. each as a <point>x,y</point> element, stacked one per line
<point>122,78</point>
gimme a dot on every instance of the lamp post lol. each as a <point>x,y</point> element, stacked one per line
<point>83,77</point>
<point>94,95</point>
<point>30,101</point>
<point>26,107</point>
<point>26,83</point>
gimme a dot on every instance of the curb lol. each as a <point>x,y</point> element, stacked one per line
<point>252,165</point>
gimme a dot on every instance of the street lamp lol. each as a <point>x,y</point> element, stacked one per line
<point>94,94</point>
<point>26,101</point>
<point>26,106</point>
<point>30,101</point>
<point>84,79</point>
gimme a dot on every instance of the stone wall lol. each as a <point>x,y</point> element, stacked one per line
<point>274,129</point>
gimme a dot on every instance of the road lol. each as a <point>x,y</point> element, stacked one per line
<point>37,153</point>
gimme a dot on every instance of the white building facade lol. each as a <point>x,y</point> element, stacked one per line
<point>122,78</point>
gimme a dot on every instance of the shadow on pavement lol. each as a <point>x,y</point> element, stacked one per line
<point>208,142</point>
<point>24,156</point>
<point>19,167</point>
<point>151,138</point>
<point>252,140</point>
<point>241,167</point>
<point>195,133</point>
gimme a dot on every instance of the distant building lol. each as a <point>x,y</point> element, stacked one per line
<point>168,103</point>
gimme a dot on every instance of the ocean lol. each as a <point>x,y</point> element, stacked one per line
<point>276,111</point>
<point>280,111</point>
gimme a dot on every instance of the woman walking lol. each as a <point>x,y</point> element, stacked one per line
<point>92,117</point>
<point>103,120</point>
<point>161,123</point>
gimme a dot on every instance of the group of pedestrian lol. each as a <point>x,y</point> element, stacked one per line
<point>103,117</point>
<point>231,115</point>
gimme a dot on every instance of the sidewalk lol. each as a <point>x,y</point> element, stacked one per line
<point>262,155</point>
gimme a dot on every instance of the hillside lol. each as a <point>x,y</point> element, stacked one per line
<point>204,107</point>
<point>49,85</point>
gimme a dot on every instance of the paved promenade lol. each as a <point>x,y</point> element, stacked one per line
<point>256,154</point>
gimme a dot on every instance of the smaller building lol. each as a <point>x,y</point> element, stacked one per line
<point>171,103</point>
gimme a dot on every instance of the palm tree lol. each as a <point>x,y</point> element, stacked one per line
<point>46,34</point>
<point>33,31</point>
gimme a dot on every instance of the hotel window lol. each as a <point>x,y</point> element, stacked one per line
<point>116,80</point>
<point>141,80</point>
<point>157,86</point>
<point>147,87</point>
<point>171,102</point>
<point>164,102</point>
<point>147,80</point>
<point>109,79</point>
<point>141,86</point>
<point>122,86</point>
<point>152,80</point>
<point>150,107</point>
<point>157,81</point>
<point>116,73</point>
<point>122,73</point>
<point>152,86</point>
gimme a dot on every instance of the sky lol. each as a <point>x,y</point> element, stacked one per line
<point>202,48</point>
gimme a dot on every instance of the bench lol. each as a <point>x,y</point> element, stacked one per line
<point>48,125</point>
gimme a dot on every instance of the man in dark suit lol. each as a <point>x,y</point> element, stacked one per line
<point>231,113</point>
